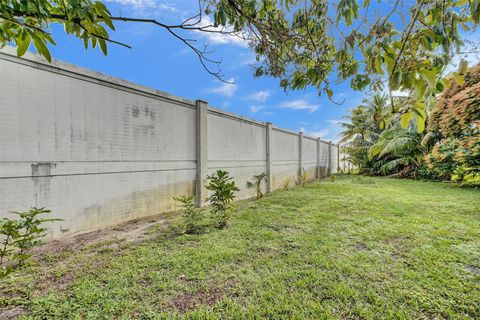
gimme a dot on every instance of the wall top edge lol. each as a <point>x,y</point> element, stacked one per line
<point>298,133</point>
<point>236,116</point>
<point>9,53</point>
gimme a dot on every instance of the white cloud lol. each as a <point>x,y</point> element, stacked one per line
<point>141,5</point>
<point>334,121</point>
<point>319,133</point>
<point>220,38</point>
<point>316,134</point>
<point>247,59</point>
<point>225,89</point>
<point>255,109</point>
<point>300,105</point>
<point>260,96</point>
<point>267,113</point>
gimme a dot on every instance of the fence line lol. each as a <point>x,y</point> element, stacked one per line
<point>99,151</point>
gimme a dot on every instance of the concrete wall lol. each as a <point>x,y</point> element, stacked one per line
<point>99,151</point>
<point>285,157</point>
<point>238,146</point>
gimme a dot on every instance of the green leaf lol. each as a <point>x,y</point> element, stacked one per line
<point>405,119</point>
<point>420,88</point>
<point>420,124</point>
<point>23,42</point>
<point>41,47</point>
<point>396,80</point>
<point>103,45</point>
<point>378,64</point>
<point>429,76</point>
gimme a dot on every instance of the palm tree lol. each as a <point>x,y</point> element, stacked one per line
<point>257,183</point>
<point>365,125</point>
<point>398,150</point>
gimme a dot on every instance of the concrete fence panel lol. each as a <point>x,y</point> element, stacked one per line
<point>323,159</point>
<point>238,146</point>
<point>99,151</point>
<point>285,157</point>
<point>310,156</point>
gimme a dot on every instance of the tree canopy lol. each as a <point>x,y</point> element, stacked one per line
<point>449,148</point>
<point>407,44</point>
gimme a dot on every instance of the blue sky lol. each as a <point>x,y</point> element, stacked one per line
<point>160,61</point>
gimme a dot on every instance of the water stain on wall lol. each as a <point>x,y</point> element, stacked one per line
<point>41,178</point>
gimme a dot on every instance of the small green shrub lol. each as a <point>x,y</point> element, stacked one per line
<point>223,193</point>
<point>257,183</point>
<point>20,235</point>
<point>303,178</point>
<point>333,178</point>
<point>286,184</point>
<point>192,216</point>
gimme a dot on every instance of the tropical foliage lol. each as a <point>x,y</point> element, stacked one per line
<point>381,144</point>
<point>362,131</point>
<point>397,148</point>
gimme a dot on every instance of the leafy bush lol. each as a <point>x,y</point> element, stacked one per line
<point>257,183</point>
<point>223,193</point>
<point>192,216</point>
<point>19,236</point>
<point>333,178</point>
<point>286,184</point>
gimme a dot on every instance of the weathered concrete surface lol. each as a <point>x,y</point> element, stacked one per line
<point>237,145</point>
<point>309,151</point>
<point>99,151</point>
<point>285,157</point>
<point>96,153</point>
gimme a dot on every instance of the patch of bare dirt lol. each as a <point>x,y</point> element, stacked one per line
<point>474,270</point>
<point>398,244</point>
<point>207,296</point>
<point>56,267</point>
<point>11,313</point>
<point>130,232</point>
<point>360,246</point>
<point>189,301</point>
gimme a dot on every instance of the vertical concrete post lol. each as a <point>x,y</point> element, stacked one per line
<point>268,157</point>
<point>338,158</point>
<point>300,153</point>
<point>329,165</point>
<point>202,152</point>
<point>318,159</point>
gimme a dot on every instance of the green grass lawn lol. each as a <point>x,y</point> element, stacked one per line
<point>356,248</point>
